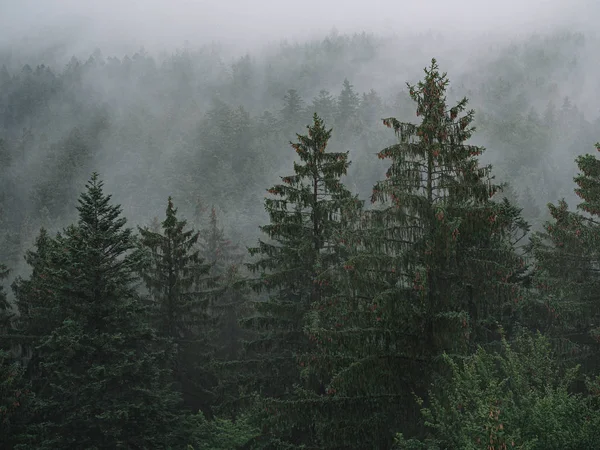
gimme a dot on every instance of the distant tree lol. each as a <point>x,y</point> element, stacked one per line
<point>14,393</point>
<point>244,86</point>
<point>293,110</point>
<point>36,303</point>
<point>325,106</point>
<point>347,106</point>
<point>219,251</point>
<point>178,280</point>
<point>371,108</point>
<point>225,142</point>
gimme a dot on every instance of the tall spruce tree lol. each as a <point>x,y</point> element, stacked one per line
<point>295,265</point>
<point>101,381</point>
<point>178,280</point>
<point>433,269</point>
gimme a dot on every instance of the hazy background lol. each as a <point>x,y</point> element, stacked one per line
<point>124,26</point>
<point>188,98</point>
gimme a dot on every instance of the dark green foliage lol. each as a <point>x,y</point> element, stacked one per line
<point>221,434</point>
<point>432,268</point>
<point>101,382</point>
<point>14,395</point>
<point>352,322</point>
<point>34,296</point>
<point>295,268</point>
<point>230,303</point>
<point>565,299</point>
<point>518,397</point>
<point>178,281</point>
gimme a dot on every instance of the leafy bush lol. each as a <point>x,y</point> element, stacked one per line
<point>516,398</point>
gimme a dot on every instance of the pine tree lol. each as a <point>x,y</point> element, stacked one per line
<point>14,395</point>
<point>295,267</point>
<point>102,383</point>
<point>5,308</point>
<point>292,111</point>
<point>35,301</point>
<point>230,303</point>
<point>225,260</point>
<point>347,106</point>
<point>219,251</point>
<point>325,106</point>
<point>565,300</point>
<point>433,269</point>
<point>178,280</point>
<point>519,396</point>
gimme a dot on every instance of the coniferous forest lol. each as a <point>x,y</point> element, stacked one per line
<point>297,249</point>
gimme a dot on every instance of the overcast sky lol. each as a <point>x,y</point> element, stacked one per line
<point>168,23</point>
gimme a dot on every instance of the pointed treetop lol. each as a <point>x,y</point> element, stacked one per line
<point>95,211</point>
<point>171,214</point>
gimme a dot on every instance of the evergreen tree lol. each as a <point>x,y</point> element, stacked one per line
<point>432,270</point>
<point>14,395</point>
<point>565,300</point>
<point>177,278</point>
<point>292,111</point>
<point>325,106</point>
<point>347,106</point>
<point>35,301</point>
<point>219,251</point>
<point>102,383</point>
<point>295,268</point>
<point>518,397</point>
<point>225,260</point>
<point>371,107</point>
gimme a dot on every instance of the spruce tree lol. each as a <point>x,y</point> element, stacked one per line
<point>348,103</point>
<point>177,278</point>
<point>34,301</point>
<point>294,268</point>
<point>14,395</point>
<point>101,380</point>
<point>229,305</point>
<point>292,112</point>
<point>433,269</point>
<point>565,300</point>
<point>225,259</point>
<point>324,105</point>
<point>219,251</point>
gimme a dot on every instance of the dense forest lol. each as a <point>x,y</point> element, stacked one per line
<point>333,244</point>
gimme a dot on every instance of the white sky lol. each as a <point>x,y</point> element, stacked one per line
<point>168,23</point>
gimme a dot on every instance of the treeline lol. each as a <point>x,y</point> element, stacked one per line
<point>195,123</point>
<point>428,320</point>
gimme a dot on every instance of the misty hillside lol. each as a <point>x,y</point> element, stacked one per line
<point>196,125</point>
<point>225,227</point>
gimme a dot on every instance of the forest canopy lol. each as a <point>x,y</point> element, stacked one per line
<point>289,250</point>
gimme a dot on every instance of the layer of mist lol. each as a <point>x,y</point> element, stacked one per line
<point>192,99</point>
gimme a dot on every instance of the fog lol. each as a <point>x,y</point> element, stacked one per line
<point>118,26</point>
<point>157,122</point>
